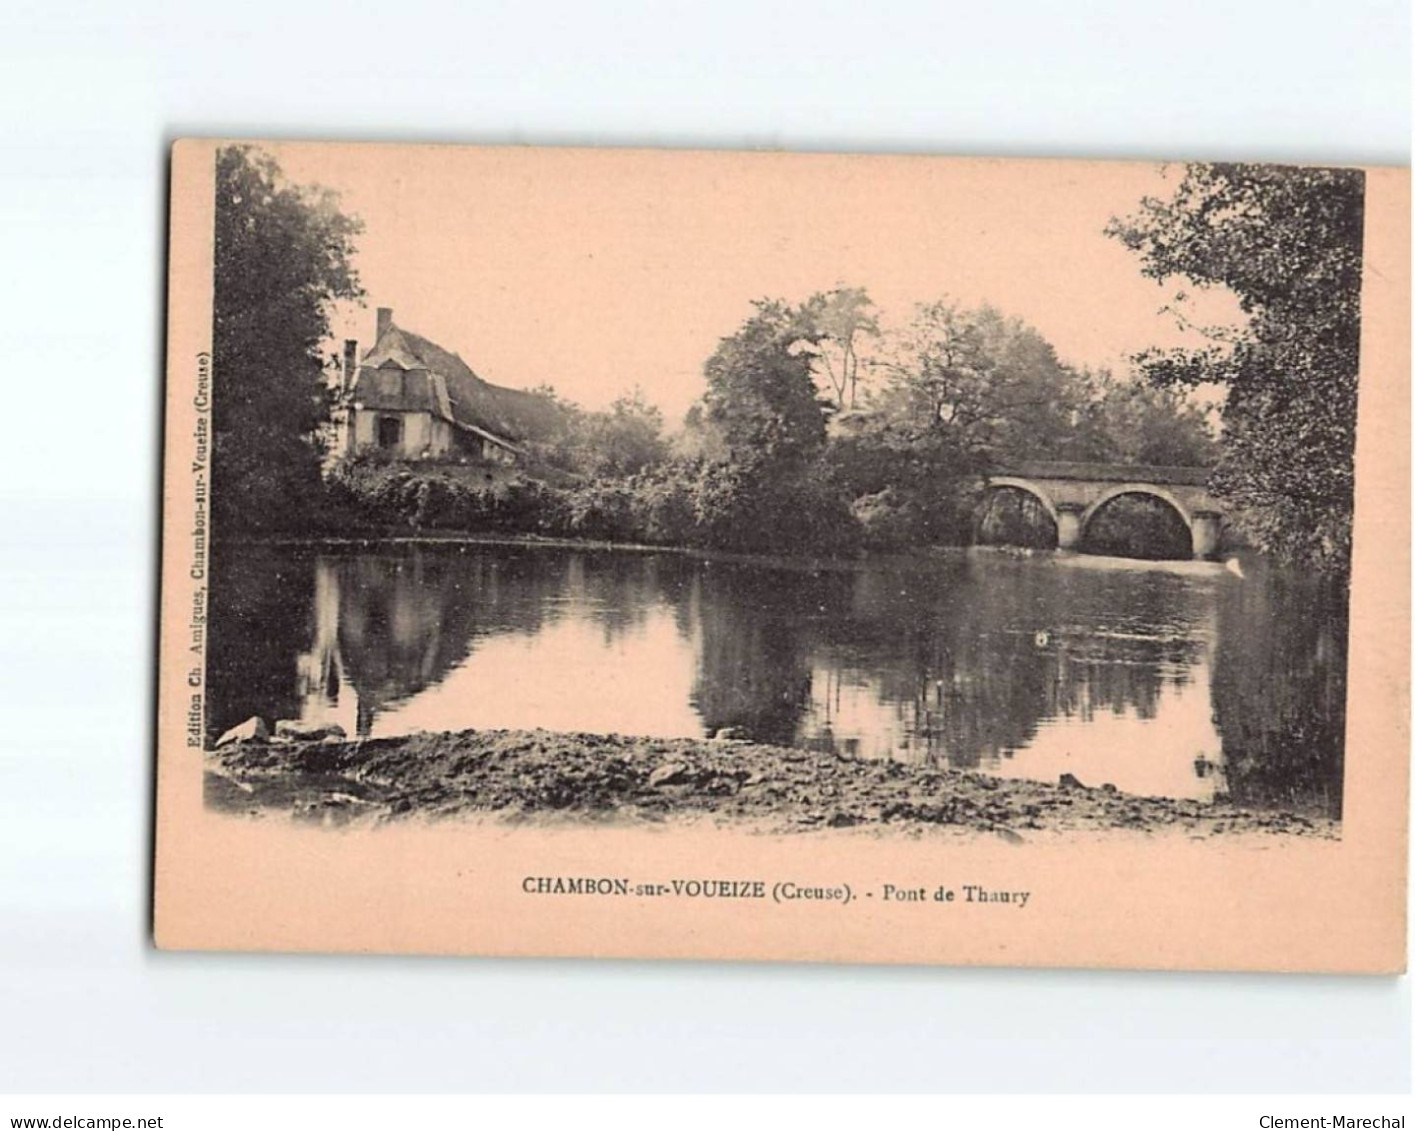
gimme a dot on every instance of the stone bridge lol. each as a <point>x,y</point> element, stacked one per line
<point>1073,492</point>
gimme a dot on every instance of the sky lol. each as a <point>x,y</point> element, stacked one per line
<point>597,270</point>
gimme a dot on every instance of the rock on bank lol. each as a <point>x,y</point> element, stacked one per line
<point>525,775</point>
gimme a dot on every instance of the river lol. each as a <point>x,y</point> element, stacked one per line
<point>1180,680</point>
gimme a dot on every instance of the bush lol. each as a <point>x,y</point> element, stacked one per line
<point>374,494</point>
<point>600,510</point>
<point>662,508</point>
<point>710,504</point>
<point>770,508</point>
<point>897,518</point>
<point>885,519</point>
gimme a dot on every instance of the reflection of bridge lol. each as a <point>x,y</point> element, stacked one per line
<point>1073,492</point>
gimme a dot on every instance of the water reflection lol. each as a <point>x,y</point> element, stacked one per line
<point>1280,694</point>
<point>1176,680</point>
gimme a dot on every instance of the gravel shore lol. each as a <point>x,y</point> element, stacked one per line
<point>543,775</point>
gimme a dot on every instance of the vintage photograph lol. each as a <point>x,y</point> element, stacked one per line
<point>740,550</point>
<point>984,499</point>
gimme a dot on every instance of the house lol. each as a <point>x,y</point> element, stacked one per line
<point>413,399</point>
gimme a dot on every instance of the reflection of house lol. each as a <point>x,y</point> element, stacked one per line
<point>415,400</point>
<point>388,625</point>
<point>385,628</point>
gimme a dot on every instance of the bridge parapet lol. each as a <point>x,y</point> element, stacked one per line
<point>1108,473</point>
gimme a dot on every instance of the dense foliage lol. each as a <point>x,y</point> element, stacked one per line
<point>769,462</point>
<point>1288,243</point>
<point>282,256</point>
<point>960,391</point>
<point>620,442</point>
<point>819,430</point>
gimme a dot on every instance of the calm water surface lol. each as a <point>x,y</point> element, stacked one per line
<point>1180,680</point>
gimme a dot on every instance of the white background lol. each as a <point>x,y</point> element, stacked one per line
<point>90,96</point>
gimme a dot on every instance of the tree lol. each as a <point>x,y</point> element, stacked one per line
<point>761,396</point>
<point>992,384</point>
<point>912,461</point>
<point>282,257</point>
<point>1137,422</point>
<point>841,318</point>
<point>625,440</point>
<point>616,444</point>
<point>1287,242</point>
<point>760,483</point>
<point>969,389</point>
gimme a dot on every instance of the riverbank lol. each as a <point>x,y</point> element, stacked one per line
<point>856,559</point>
<point>450,539</point>
<point>589,778</point>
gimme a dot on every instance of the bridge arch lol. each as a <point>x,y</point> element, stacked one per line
<point>1027,487</point>
<point>1150,489</point>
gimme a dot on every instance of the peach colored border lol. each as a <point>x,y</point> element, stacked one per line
<point>1103,901</point>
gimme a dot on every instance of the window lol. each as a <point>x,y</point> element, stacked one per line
<point>390,431</point>
<point>390,382</point>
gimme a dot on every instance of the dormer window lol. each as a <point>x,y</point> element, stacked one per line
<point>390,381</point>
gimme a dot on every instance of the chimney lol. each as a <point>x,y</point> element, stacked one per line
<point>351,362</point>
<point>385,320</point>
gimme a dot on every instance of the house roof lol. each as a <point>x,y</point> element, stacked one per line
<point>440,382</point>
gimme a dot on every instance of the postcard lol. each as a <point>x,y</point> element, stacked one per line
<point>754,555</point>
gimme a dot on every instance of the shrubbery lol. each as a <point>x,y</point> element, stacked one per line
<point>377,496</point>
<point>698,503</point>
